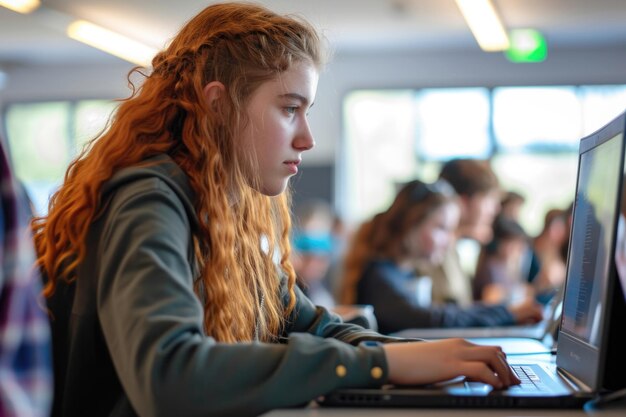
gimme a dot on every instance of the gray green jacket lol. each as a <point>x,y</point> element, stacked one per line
<point>128,335</point>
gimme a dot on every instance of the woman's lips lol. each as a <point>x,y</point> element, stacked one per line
<point>293,166</point>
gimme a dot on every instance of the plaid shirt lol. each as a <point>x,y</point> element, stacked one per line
<point>25,365</point>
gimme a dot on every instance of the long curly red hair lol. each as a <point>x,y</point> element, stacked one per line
<point>242,232</point>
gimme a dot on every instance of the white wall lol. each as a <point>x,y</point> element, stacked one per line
<point>31,83</point>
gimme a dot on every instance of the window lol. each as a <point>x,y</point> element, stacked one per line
<point>382,152</point>
<point>536,118</point>
<point>452,123</point>
<point>600,104</point>
<point>531,135</point>
<point>44,137</point>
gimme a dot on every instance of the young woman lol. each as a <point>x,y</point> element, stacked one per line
<point>166,249</point>
<point>380,266</point>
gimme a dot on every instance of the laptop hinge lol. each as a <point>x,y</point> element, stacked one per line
<point>573,382</point>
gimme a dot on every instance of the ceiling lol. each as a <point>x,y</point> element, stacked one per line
<point>349,25</point>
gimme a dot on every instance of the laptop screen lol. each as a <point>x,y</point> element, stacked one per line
<point>593,228</point>
<point>588,304</point>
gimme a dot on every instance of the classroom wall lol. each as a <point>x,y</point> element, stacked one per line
<point>345,72</point>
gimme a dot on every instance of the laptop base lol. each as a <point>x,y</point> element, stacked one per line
<point>405,398</point>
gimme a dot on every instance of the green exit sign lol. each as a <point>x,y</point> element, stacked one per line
<point>527,45</point>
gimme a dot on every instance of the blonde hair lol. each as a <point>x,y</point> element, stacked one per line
<point>240,45</point>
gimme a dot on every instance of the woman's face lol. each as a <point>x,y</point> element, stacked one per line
<point>429,240</point>
<point>278,131</point>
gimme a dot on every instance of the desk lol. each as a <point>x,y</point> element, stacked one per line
<point>618,410</point>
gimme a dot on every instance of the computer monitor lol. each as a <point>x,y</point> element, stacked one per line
<point>589,303</point>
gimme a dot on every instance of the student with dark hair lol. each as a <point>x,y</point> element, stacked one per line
<point>167,248</point>
<point>547,250</point>
<point>503,265</point>
<point>511,205</point>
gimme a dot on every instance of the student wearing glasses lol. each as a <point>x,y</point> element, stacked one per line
<point>418,226</point>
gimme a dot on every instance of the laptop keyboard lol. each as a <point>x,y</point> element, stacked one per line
<point>530,380</point>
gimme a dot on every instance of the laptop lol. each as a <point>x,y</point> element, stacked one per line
<point>590,353</point>
<point>514,340</point>
<point>532,337</point>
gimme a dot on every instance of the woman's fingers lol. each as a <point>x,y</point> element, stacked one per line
<point>479,371</point>
<point>428,362</point>
<point>495,359</point>
<point>513,379</point>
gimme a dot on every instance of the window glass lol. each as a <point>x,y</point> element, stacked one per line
<point>44,137</point>
<point>91,117</point>
<point>379,149</point>
<point>537,118</point>
<point>546,180</point>
<point>531,134</point>
<point>452,122</point>
<point>38,141</point>
<point>600,105</point>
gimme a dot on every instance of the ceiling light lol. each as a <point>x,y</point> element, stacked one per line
<point>111,42</point>
<point>485,24</point>
<point>20,6</point>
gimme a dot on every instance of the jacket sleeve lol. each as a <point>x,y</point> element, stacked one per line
<point>152,324</point>
<point>318,321</point>
<point>395,310</point>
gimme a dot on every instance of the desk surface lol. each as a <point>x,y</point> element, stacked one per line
<point>618,410</point>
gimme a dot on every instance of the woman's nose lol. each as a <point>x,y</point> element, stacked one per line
<point>304,141</point>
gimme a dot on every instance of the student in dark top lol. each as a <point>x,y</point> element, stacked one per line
<point>380,265</point>
<point>167,247</point>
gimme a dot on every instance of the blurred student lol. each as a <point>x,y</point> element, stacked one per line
<point>313,245</point>
<point>316,250</point>
<point>503,265</point>
<point>511,205</point>
<point>25,364</point>
<point>479,193</point>
<point>167,247</point>
<point>420,224</point>
<point>547,248</point>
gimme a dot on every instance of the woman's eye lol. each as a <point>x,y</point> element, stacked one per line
<point>291,110</point>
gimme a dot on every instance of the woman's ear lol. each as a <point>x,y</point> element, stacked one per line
<point>213,92</point>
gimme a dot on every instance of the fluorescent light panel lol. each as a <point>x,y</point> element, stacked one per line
<point>20,6</point>
<point>111,42</point>
<point>485,24</point>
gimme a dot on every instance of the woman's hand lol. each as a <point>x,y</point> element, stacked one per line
<point>429,362</point>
